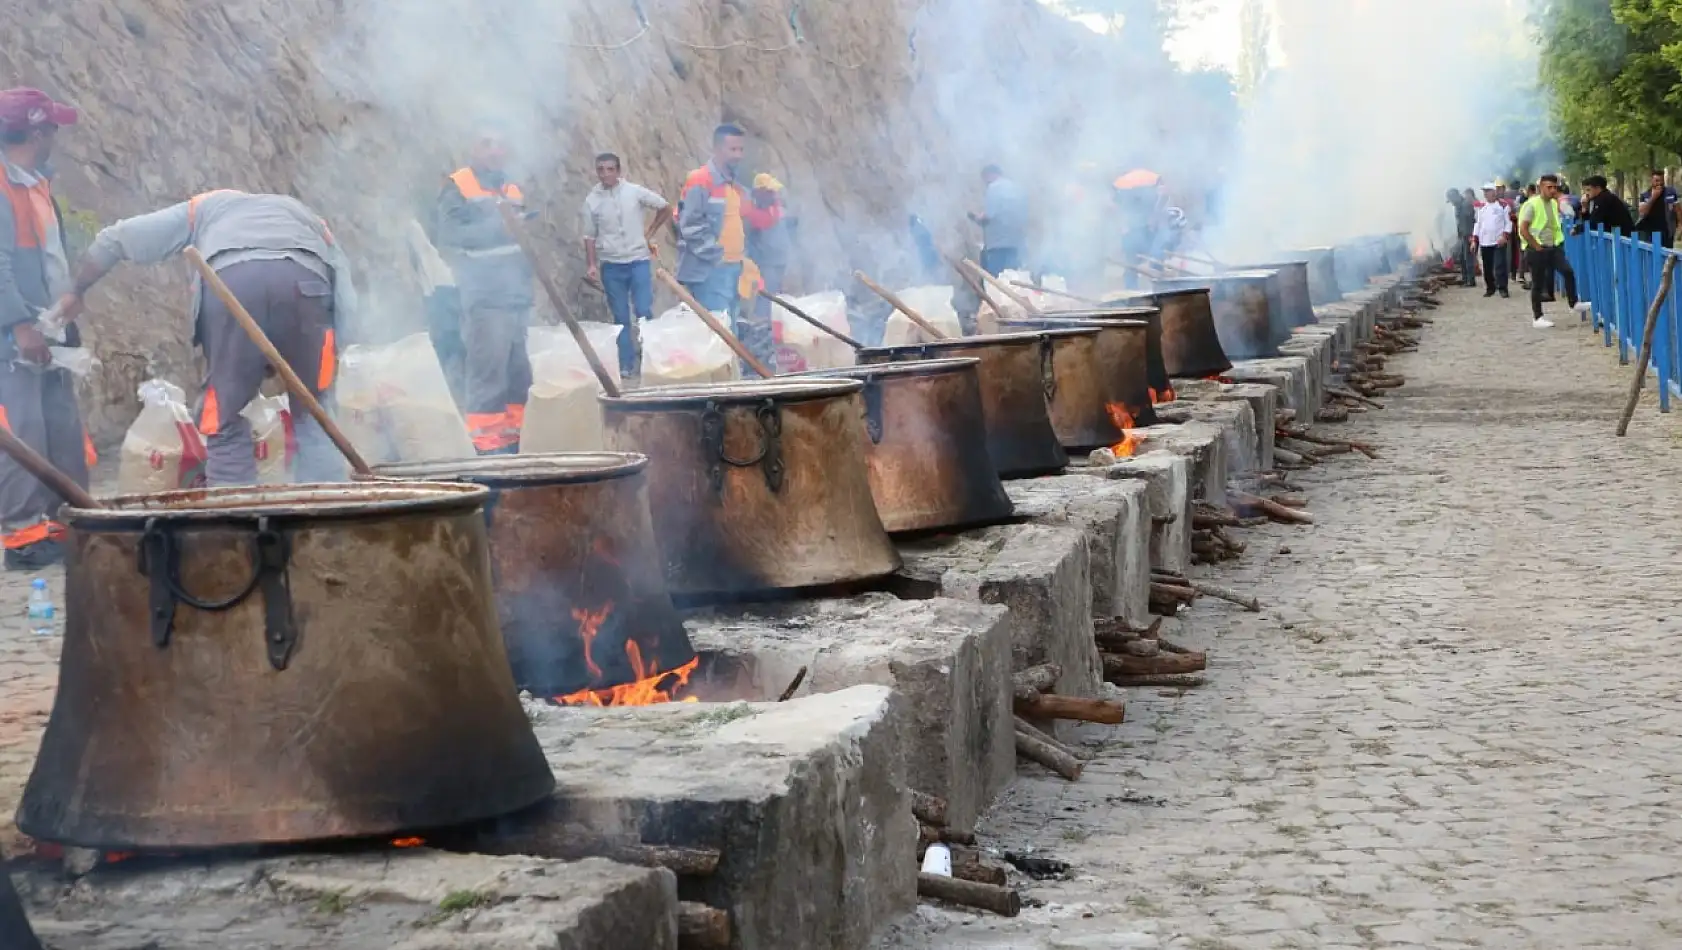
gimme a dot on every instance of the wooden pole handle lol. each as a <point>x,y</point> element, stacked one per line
<point>900,305</point>
<point>711,321</point>
<point>814,321</point>
<point>1060,293</point>
<point>294,385</point>
<point>50,475</point>
<point>980,287</point>
<point>511,223</point>
<point>1004,288</point>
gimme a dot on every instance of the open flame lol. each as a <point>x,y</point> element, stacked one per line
<point>1228,380</point>
<point>1124,421</point>
<point>651,684</point>
<point>408,842</point>
<point>1158,398</point>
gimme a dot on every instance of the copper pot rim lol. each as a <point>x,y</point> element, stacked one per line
<point>871,371</point>
<point>507,471</point>
<point>1066,333</point>
<point>337,501</point>
<point>1177,291</point>
<point>1273,265</point>
<point>782,389</point>
<point>954,343</point>
<point>1101,323</point>
<point>1232,276</point>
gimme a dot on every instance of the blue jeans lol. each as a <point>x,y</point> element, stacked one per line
<point>630,291</point>
<point>718,292</point>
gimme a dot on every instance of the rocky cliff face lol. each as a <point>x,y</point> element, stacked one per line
<point>868,110</point>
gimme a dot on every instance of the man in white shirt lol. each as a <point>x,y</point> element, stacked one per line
<point>1493,229</point>
<point>617,250</point>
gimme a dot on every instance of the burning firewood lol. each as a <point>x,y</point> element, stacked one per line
<point>700,927</point>
<point>1036,746</point>
<point>999,900</point>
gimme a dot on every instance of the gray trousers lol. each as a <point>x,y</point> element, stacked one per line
<point>498,369</point>
<point>41,410</point>
<point>294,306</point>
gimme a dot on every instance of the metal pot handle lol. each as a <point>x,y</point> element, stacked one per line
<point>1048,372</point>
<point>873,409</point>
<point>160,560</point>
<point>770,454</point>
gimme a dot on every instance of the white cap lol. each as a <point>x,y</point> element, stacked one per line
<point>1490,186</point>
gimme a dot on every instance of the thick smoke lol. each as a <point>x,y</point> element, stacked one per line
<point>1379,107</point>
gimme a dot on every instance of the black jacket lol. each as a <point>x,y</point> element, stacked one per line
<point>1609,212</point>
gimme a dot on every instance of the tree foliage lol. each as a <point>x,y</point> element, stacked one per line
<point>1614,68</point>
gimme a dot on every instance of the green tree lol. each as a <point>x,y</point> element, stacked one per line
<point>1614,69</point>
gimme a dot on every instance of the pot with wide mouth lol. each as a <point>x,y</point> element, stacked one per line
<point>279,664</point>
<point>1358,261</point>
<point>1012,373</point>
<point>1296,305</point>
<point>756,485</point>
<point>1243,304</point>
<point>1123,350</point>
<point>927,446</point>
<point>1322,275</point>
<point>1191,346</point>
<point>579,587</point>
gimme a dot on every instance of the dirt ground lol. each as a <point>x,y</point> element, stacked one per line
<point>1455,725</point>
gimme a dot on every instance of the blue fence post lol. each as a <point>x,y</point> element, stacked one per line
<point>1620,268</point>
<point>1665,339</point>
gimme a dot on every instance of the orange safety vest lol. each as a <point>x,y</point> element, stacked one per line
<point>210,415</point>
<point>28,230</point>
<point>468,183</point>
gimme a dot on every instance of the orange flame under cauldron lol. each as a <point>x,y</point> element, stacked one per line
<point>1123,420</point>
<point>651,684</point>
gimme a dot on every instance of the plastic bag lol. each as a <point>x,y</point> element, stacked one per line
<point>162,450</point>
<point>678,349</point>
<point>272,442</point>
<point>562,414</point>
<point>933,304</point>
<point>79,360</point>
<point>801,346</point>
<point>395,405</point>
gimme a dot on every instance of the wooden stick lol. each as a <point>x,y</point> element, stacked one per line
<point>1273,509</point>
<point>1120,664</point>
<point>1230,596</point>
<point>1103,711</point>
<point>978,287</point>
<point>999,900</point>
<point>1352,396</point>
<point>899,305</point>
<point>511,224</point>
<point>968,865</point>
<point>1038,747</point>
<point>794,684</point>
<point>1026,285</point>
<point>929,834</point>
<point>700,927</point>
<point>814,321</point>
<point>1647,344</point>
<point>1172,591</point>
<point>929,809</point>
<point>294,385</point>
<point>1161,680</point>
<point>713,324</point>
<point>1004,288</point>
<point>49,474</point>
<point>1360,447</point>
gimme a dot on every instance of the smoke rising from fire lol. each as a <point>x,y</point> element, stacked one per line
<point>1379,107</point>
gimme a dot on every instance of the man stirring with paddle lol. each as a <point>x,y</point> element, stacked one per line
<point>282,264</point>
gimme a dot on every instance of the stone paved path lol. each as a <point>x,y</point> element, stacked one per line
<point>1457,725</point>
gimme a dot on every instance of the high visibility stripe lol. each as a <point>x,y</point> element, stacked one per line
<point>210,417</point>
<point>329,362</point>
<point>28,230</point>
<point>468,183</point>
<point>41,531</point>
<point>516,416</point>
<point>5,421</point>
<point>491,430</point>
<point>89,453</point>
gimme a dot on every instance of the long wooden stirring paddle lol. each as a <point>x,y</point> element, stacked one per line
<point>50,475</point>
<point>511,224</point>
<point>712,322</point>
<point>900,305</point>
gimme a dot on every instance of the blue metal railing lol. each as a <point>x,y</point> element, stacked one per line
<point>1619,275</point>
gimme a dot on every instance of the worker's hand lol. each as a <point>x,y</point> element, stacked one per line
<point>70,307</point>
<point>654,247</point>
<point>1502,242</point>
<point>593,275</point>
<point>31,343</point>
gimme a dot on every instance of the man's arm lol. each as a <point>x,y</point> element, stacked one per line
<point>692,225</point>
<point>1524,234</point>
<point>13,308</point>
<point>662,211</point>
<point>144,239</point>
<point>465,225</point>
<point>587,228</point>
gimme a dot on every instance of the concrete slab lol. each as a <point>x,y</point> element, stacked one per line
<point>1298,384</point>
<point>1115,516</point>
<point>1167,481</point>
<point>1042,573</point>
<point>415,899</point>
<point>1316,344</point>
<point>1203,445</point>
<point>1264,409</point>
<point>807,802</point>
<point>1236,422</point>
<point>949,659</point>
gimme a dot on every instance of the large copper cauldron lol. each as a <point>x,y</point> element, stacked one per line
<point>1398,250</point>
<point>927,450</point>
<point>1242,302</point>
<point>1322,275</point>
<point>1191,347</point>
<point>1013,376</point>
<point>15,932</point>
<point>1357,262</point>
<point>1077,392</point>
<point>579,588</point>
<point>1138,307</point>
<point>756,485</point>
<point>1296,305</point>
<point>1123,357</point>
<point>249,666</point>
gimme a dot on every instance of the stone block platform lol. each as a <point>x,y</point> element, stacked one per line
<point>1115,517</point>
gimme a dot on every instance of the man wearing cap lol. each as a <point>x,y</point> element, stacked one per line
<point>1493,231</point>
<point>769,249</point>
<point>286,270</point>
<point>37,400</point>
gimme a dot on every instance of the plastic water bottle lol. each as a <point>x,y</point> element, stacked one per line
<point>43,615</point>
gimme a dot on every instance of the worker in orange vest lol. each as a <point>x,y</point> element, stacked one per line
<point>494,279</point>
<point>37,400</point>
<point>284,267</point>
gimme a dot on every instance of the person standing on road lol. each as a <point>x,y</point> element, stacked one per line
<point>1004,223</point>
<point>1493,231</point>
<point>1544,244</point>
<point>1602,208</point>
<point>494,278</point>
<point>37,400</point>
<point>1657,212</point>
<point>769,248</point>
<point>618,251</point>
<point>1465,220</point>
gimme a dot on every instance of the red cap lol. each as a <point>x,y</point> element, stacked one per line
<point>24,108</point>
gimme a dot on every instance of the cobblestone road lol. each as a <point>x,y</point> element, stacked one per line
<point>1457,725</point>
